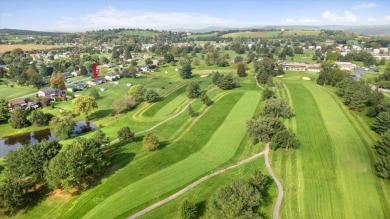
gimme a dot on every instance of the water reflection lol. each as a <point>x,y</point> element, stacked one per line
<point>11,143</point>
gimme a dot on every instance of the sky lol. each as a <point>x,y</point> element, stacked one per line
<point>73,15</point>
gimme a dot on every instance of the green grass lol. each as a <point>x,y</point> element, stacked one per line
<point>139,33</point>
<point>334,176</point>
<point>218,150</point>
<point>201,194</point>
<point>155,108</point>
<point>193,36</point>
<point>249,34</point>
<point>9,93</point>
<point>145,163</point>
<point>300,33</point>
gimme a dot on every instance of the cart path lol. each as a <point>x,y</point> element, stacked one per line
<point>199,181</point>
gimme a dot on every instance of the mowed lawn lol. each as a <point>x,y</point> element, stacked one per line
<point>138,164</point>
<point>218,150</point>
<point>332,175</point>
<point>9,92</point>
<point>202,194</point>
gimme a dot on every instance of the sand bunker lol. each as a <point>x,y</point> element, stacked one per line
<point>306,78</point>
<point>204,76</point>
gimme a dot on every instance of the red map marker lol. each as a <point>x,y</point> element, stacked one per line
<point>95,74</point>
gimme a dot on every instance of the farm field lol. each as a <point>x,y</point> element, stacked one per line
<point>193,36</point>
<point>341,172</point>
<point>29,47</point>
<point>248,34</point>
<point>139,33</point>
<point>300,33</point>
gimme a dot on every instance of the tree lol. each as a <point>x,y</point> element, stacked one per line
<point>264,128</point>
<point>277,108</point>
<point>57,80</point>
<point>125,135</point>
<point>18,118</point>
<point>241,69</point>
<point>284,139</point>
<point>137,93</point>
<point>383,146</point>
<point>12,196</point>
<point>268,94</point>
<point>103,71</point>
<point>127,54</point>
<point>115,54</point>
<point>62,126</point>
<point>168,58</point>
<point>191,112</point>
<point>194,90</point>
<point>188,210</point>
<point>148,61</point>
<point>236,201</point>
<point>94,93</point>
<point>259,181</point>
<point>101,138</point>
<point>130,72</point>
<point>238,59</point>
<point>151,96</point>
<point>186,71</point>
<point>84,104</point>
<point>77,165</point>
<point>382,122</point>
<point>4,111</point>
<point>226,82</point>
<point>150,142</point>
<point>205,99</point>
<point>40,118</point>
<point>216,77</point>
<point>123,105</point>
<point>383,167</point>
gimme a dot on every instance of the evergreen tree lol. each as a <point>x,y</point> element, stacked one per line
<point>186,71</point>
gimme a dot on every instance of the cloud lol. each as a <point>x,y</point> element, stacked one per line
<point>346,17</point>
<point>365,6</point>
<point>6,14</point>
<point>112,17</point>
<point>387,17</point>
<point>307,20</point>
<point>371,19</point>
<point>289,20</point>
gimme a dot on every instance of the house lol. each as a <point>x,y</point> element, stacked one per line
<point>96,81</point>
<point>155,62</point>
<point>51,92</point>
<point>346,65</point>
<point>80,86</point>
<point>143,68</point>
<point>76,73</point>
<point>313,67</point>
<point>21,102</point>
<point>294,66</point>
<point>112,76</point>
<point>68,75</point>
<point>70,88</point>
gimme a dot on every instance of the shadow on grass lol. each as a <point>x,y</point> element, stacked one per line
<point>200,208</point>
<point>163,144</point>
<point>266,198</point>
<point>100,114</point>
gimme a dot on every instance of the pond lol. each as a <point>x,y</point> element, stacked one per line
<point>11,143</point>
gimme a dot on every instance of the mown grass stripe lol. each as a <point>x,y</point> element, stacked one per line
<point>219,149</point>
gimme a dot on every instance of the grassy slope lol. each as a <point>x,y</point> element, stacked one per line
<point>9,93</point>
<point>146,163</point>
<point>219,149</point>
<point>340,170</point>
<point>202,193</point>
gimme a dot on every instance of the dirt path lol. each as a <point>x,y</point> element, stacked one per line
<point>192,185</point>
<point>279,199</point>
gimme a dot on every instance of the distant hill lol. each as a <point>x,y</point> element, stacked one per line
<point>27,32</point>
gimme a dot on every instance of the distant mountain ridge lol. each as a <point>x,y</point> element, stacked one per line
<point>28,32</point>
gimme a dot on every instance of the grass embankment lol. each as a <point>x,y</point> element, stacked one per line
<point>136,165</point>
<point>202,194</point>
<point>218,150</point>
<point>331,175</point>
